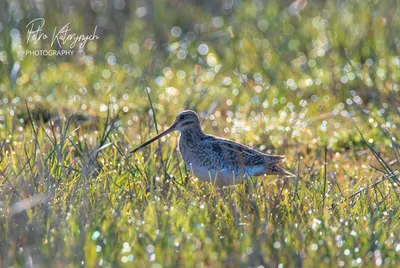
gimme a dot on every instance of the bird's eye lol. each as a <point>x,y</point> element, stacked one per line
<point>182,117</point>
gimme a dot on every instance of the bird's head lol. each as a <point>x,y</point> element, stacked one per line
<point>186,119</point>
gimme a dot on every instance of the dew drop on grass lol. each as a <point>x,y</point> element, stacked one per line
<point>176,31</point>
<point>95,235</point>
<point>203,49</point>
<point>125,247</point>
<point>181,54</point>
<point>150,248</point>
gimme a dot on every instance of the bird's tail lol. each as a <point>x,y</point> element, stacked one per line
<point>281,171</point>
<point>276,169</point>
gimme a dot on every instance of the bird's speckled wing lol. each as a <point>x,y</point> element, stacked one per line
<point>238,154</point>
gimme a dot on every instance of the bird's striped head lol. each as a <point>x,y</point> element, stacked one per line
<point>186,119</point>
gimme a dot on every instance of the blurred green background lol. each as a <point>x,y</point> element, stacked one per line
<point>252,58</point>
<point>205,50</point>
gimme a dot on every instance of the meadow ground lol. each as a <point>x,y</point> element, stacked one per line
<point>318,82</point>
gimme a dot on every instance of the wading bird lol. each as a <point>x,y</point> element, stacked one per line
<point>214,159</point>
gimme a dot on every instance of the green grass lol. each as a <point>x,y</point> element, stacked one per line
<point>322,88</point>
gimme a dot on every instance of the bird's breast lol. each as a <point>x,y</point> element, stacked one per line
<point>206,169</point>
<point>223,177</point>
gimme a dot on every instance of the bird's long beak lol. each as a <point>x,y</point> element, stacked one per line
<point>171,128</point>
